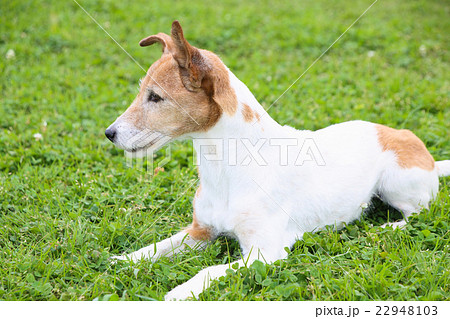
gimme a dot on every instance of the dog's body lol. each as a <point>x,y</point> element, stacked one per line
<point>267,184</point>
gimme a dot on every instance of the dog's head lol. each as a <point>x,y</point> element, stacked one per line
<point>186,90</point>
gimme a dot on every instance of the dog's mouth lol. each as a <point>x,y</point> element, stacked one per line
<point>143,143</point>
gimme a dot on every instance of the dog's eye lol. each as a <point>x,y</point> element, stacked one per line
<point>153,97</point>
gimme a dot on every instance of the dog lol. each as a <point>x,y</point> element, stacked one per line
<point>276,182</point>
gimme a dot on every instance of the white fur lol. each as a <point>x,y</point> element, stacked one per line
<point>267,207</point>
<point>443,168</point>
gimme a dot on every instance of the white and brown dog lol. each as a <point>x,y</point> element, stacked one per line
<point>270,190</point>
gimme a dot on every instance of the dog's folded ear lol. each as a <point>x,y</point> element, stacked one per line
<point>164,39</point>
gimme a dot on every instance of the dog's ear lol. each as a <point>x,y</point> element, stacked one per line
<point>164,39</point>
<point>183,50</point>
<point>198,71</point>
<point>189,59</point>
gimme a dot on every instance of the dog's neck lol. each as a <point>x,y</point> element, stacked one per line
<point>227,134</point>
<point>257,123</point>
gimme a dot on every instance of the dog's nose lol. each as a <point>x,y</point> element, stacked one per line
<point>110,133</point>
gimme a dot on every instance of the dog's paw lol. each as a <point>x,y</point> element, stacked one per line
<point>401,224</point>
<point>179,293</point>
<point>115,259</point>
<point>134,258</point>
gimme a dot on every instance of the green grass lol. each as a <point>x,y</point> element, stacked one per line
<point>68,201</point>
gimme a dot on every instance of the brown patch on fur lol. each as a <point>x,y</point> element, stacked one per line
<point>258,117</point>
<point>197,231</point>
<point>247,113</point>
<point>409,149</point>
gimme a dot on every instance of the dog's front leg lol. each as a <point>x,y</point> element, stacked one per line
<point>168,247</point>
<point>201,281</point>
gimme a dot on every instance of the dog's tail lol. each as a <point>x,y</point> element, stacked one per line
<point>443,168</point>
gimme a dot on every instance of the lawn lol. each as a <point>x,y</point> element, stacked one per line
<point>68,200</point>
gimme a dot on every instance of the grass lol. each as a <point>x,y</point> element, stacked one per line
<point>68,201</point>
